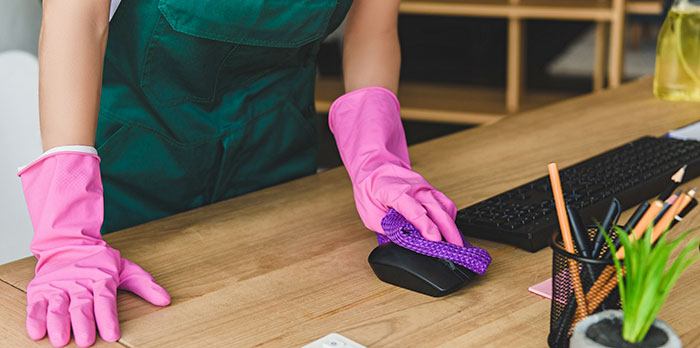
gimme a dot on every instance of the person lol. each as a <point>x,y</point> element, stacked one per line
<point>188,103</point>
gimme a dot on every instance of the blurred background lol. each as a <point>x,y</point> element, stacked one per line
<point>20,22</point>
<point>454,77</point>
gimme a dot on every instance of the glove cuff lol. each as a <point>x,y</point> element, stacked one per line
<point>64,195</point>
<point>359,97</point>
<point>366,125</point>
<point>67,148</point>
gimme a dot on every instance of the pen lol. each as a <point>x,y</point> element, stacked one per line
<point>580,233</point>
<point>675,181</point>
<point>563,323</point>
<point>581,238</point>
<point>612,215</point>
<point>633,221</point>
<point>636,216</point>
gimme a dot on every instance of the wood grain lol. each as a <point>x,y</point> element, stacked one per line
<point>286,265</point>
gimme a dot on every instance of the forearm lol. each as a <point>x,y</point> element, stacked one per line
<point>371,54</point>
<point>71,53</point>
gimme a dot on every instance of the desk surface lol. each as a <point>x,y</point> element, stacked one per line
<point>286,265</point>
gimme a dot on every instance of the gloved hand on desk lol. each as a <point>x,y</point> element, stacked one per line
<point>372,144</point>
<point>77,273</point>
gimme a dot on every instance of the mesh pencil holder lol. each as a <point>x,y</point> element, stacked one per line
<point>591,283</point>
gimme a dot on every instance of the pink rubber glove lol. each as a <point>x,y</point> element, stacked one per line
<point>77,273</point>
<point>367,127</point>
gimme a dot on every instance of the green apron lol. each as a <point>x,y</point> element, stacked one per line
<point>206,100</point>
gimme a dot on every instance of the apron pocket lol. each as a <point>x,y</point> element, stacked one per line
<point>107,130</point>
<point>278,23</point>
<point>147,176</point>
<point>200,47</point>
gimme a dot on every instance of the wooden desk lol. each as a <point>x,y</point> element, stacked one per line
<point>287,265</point>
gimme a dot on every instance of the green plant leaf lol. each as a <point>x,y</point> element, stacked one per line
<point>624,239</point>
<point>654,270</point>
<point>678,266</point>
<point>618,266</point>
<point>648,278</point>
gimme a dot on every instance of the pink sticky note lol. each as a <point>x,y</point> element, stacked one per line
<point>543,289</point>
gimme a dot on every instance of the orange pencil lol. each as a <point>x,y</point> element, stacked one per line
<point>568,241</point>
<point>643,224</point>
<point>675,209</point>
<point>561,207</point>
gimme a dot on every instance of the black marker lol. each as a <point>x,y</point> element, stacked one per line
<point>667,205</point>
<point>633,221</point>
<point>580,234</point>
<point>612,215</point>
<point>636,216</point>
<point>678,218</point>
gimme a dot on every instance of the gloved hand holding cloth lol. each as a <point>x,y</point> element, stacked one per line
<point>367,127</point>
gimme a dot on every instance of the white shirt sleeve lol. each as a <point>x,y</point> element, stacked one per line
<point>113,7</point>
<point>70,148</point>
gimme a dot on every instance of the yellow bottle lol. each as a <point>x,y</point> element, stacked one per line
<point>677,74</point>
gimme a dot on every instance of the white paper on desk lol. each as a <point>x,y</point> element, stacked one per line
<point>689,132</point>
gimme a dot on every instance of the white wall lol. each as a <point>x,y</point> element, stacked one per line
<point>20,143</point>
<point>20,21</point>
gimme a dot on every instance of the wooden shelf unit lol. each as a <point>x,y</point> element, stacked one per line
<point>524,9</point>
<point>472,105</point>
<point>645,7</point>
<point>593,10</point>
<point>444,102</point>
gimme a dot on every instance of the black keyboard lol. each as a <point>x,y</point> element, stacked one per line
<point>637,171</point>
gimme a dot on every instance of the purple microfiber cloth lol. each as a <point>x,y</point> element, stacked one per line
<point>402,233</point>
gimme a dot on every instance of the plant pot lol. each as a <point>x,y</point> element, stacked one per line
<point>604,330</point>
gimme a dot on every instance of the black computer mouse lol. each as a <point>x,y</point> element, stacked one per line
<point>411,270</point>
